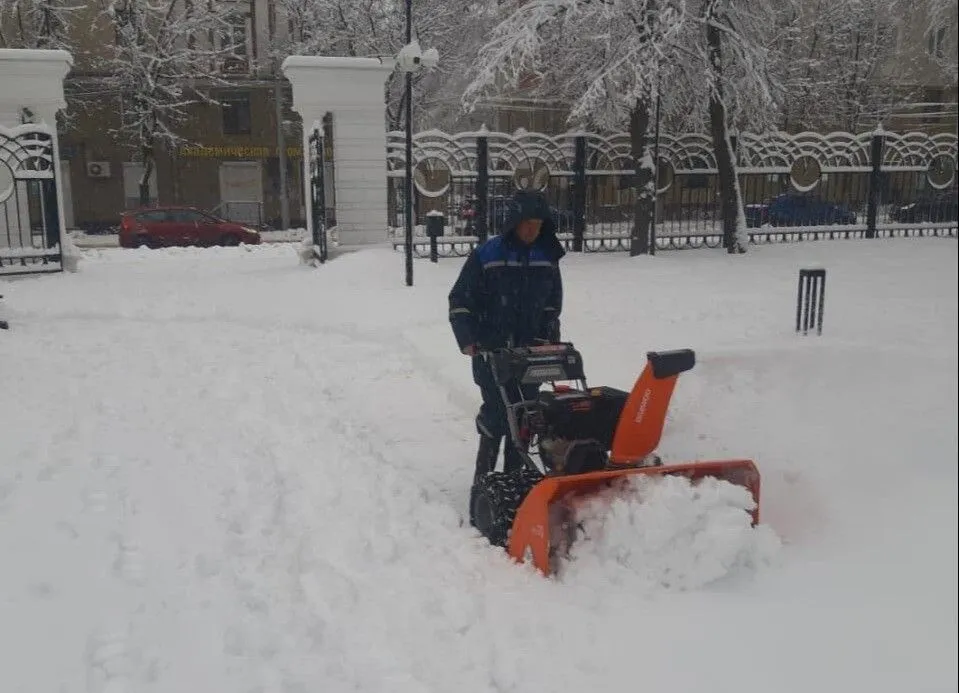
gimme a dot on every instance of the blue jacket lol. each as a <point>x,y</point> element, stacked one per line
<point>508,293</point>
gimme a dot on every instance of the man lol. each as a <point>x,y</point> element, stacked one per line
<point>509,293</point>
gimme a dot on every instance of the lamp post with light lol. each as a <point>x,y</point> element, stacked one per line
<point>411,59</point>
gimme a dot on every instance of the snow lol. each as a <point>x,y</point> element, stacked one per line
<point>669,533</point>
<point>222,470</point>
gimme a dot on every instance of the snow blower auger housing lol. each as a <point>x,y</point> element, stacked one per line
<point>585,439</point>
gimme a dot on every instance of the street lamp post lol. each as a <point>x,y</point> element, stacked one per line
<point>408,179</point>
<point>409,60</point>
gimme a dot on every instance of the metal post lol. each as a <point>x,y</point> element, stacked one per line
<point>482,189</point>
<point>408,196</point>
<point>652,227</point>
<point>435,221</point>
<point>810,300</point>
<point>875,183</point>
<point>579,194</point>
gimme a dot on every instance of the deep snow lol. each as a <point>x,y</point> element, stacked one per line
<point>224,471</point>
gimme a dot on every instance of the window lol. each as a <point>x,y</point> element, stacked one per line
<point>886,34</point>
<point>236,114</point>
<point>186,216</point>
<point>937,38</point>
<point>234,35</point>
<point>152,217</point>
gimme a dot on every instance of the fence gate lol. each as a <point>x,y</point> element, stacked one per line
<point>29,216</point>
<point>318,195</point>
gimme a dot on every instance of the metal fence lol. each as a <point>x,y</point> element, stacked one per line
<point>30,230</point>
<point>794,187</point>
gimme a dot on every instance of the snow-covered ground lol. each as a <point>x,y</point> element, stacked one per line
<point>224,471</point>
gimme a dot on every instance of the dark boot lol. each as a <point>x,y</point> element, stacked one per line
<point>512,460</point>
<point>486,456</point>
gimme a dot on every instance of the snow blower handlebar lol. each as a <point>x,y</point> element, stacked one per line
<point>539,364</point>
<point>535,365</point>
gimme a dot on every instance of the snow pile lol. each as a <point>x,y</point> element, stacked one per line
<point>668,533</point>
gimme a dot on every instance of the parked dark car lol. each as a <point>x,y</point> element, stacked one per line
<point>938,206</point>
<point>157,227</point>
<point>791,209</point>
<point>498,211</point>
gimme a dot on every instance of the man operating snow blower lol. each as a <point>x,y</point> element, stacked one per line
<point>569,441</point>
<point>509,293</point>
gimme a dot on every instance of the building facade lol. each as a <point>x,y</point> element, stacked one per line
<point>242,159</point>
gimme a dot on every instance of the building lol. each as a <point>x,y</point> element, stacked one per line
<point>234,154</point>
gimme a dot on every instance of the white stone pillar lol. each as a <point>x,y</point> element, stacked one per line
<point>33,79</point>
<point>352,89</point>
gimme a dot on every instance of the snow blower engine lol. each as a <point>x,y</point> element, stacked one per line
<point>585,439</point>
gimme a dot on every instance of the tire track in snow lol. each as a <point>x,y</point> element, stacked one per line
<point>298,541</point>
<point>397,345</point>
<point>372,425</point>
<point>294,598</point>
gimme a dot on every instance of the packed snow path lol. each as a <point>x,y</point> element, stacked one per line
<point>222,471</point>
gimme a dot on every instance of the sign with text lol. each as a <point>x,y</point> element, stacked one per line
<point>236,152</point>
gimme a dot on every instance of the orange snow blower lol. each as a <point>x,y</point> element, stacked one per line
<point>586,439</point>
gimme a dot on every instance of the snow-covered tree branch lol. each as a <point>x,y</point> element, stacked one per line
<point>165,57</point>
<point>604,57</point>
<point>37,23</point>
<point>940,34</point>
<point>613,59</point>
<point>377,28</point>
<point>851,63</point>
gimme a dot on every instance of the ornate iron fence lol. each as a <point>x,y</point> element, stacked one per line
<point>317,190</point>
<point>30,230</point>
<point>807,186</point>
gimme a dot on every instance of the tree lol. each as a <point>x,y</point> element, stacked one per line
<point>605,57</point>
<point>36,23</point>
<point>42,24</point>
<point>851,63</point>
<point>939,30</point>
<point>165,58</point>
<point>833,64</point>
<point>704,61</point>
<point>736,58</point>
<point>374,28</point>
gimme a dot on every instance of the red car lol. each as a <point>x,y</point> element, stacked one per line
<point>156,227</point>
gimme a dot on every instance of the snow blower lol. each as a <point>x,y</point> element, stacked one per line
<point>586,439</point>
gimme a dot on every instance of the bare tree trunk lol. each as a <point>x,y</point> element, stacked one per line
<point>148,165</point>
<point>644,184</point>
<point>729,197</point>
<point>851,89</point>
<point>396,117</point>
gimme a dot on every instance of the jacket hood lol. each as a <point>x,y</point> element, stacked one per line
<point>533,205</point>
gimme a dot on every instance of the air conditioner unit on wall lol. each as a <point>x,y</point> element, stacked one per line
<point>98,169</point>
<point>234,66</point>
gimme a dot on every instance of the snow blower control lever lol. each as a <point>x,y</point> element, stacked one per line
<point>560,424</point>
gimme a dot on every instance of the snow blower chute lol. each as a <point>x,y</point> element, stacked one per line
<point>586,438</point>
